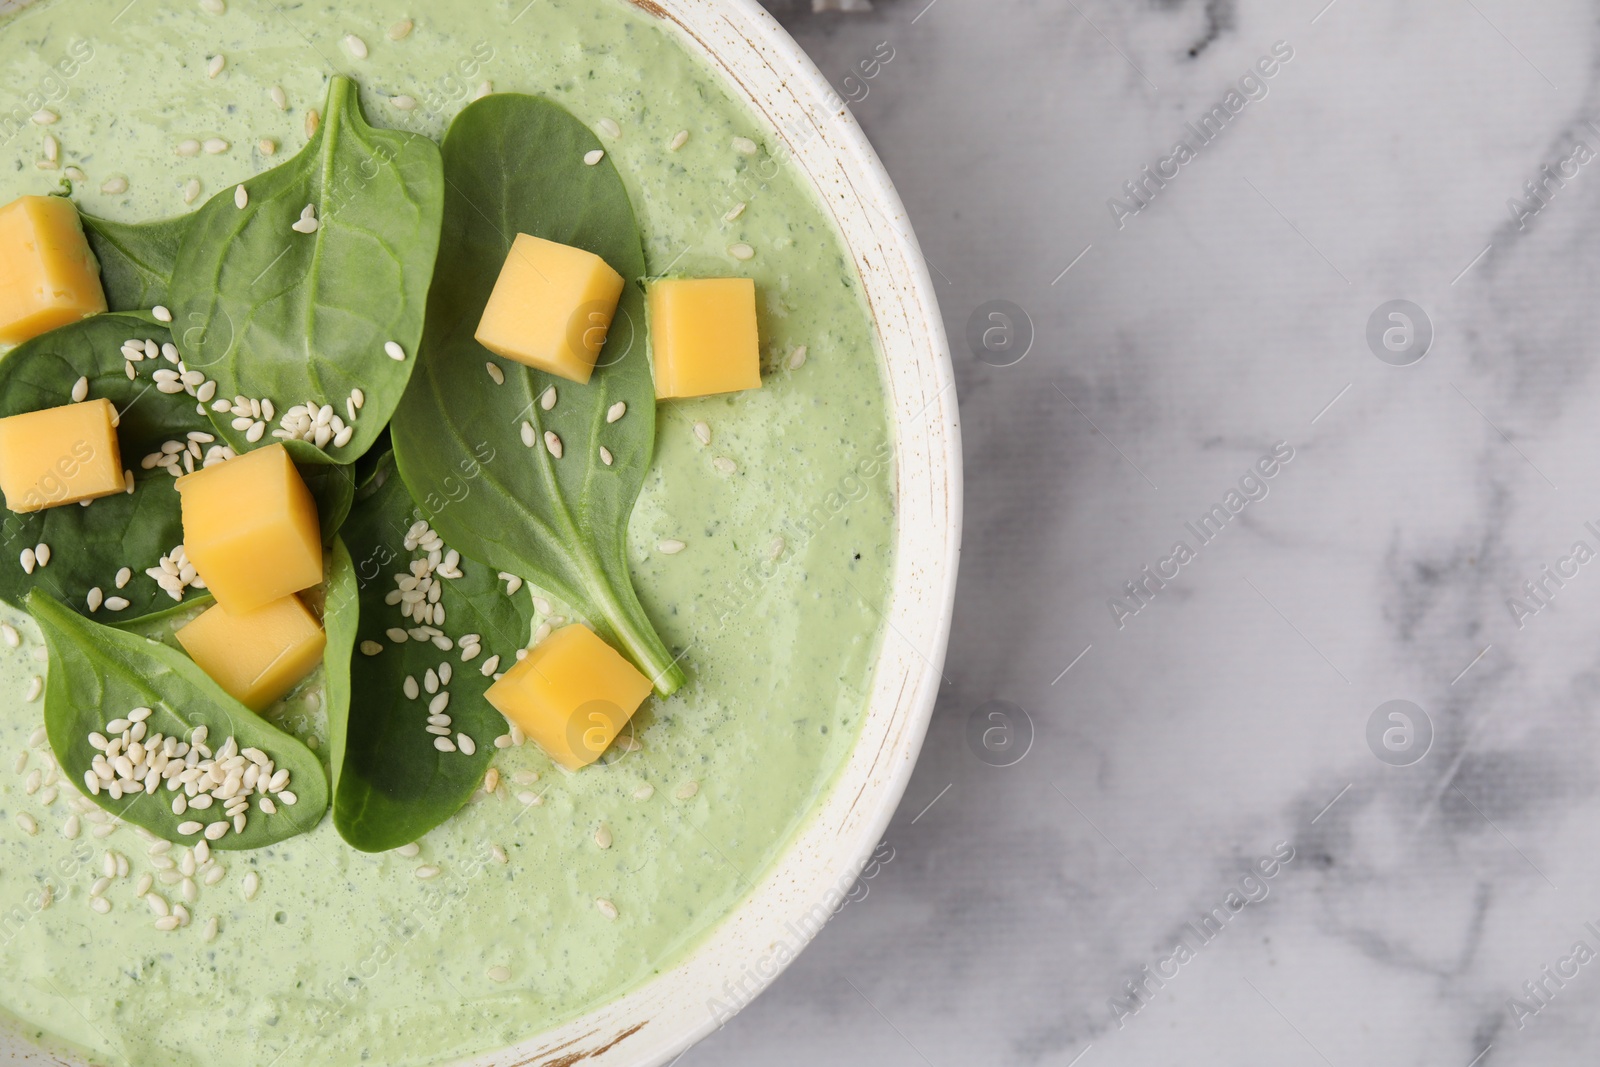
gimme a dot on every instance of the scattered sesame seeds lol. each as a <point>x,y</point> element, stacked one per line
<point>213,7</point>
<point>606,908</point>
<point>490,665</point>
<point>403,102</point>
<point>267,146</point>
<point>393,350</point>
<point>279,97</point>
<point>251,885</point>
<point>484,89</point>
<point>644,792</point>
<point>552,443</point>
<point>679,139</point>
<point>313,120</point>
<point>610,128</point>
<point>734,212</point>
<point>499,854</point>
<point>210,934</point>
<point>161,314</point>
<point>215,64</point>
<point>28,823</point>
<point>370,648</point>
<point>602,836</point>
<point>42,552</point>
<point>547,399</point>
<point>45,117</point>
<point>797,358</point>
<point>616,411</point>
<point>687,790</point>
<point>187,829</point>
<point>528,437</point>
<point>401,30</point>
<point>100,904</point>
<point>499,974</point>
<point>702,432</point>
<point>80,390</point>
<point>605,455</point>
<point>114,186</point>
<point>355,46</point>
<point>775,549</point>
<point>52,148</point>
<point>741,251</point>
<point>466,744</point>
<point>191,190</point>
<point>215,146</point>
<point>724,465</point>
<point>95,597</point>
<point>670,547</point>
<point>594,156</point>
<point>124,575</point>
<point>307,222</point>
<point>395,634</point>
<point>495,373</point>
<point>444,744</point>
<point>116,603</point>
<point>745,146</point>
<point>190,147</point>
<point>76,174</point>
<point>10,634</point>
<point>426,871</point>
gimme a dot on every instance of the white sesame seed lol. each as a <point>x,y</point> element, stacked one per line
<point>552,443</point>
<point>253,434</point>
<point>592,157</point>
<point>100,904</point>
<point>394,351</point>
<point>409,687</point>
<point>267,146</point>
<point>724,465</point>
<point>190,147</point>
<point>96,595</point>
<point>304,225</point>
<point>741,251</point>
<point>395,634</point>
<point>678,140</point>
<point>286,797</point>
<point>426,871</point>
<point>251,885</point>
<point>191,190</point>
<point>213,7</point>
<point>215,831</point>
<point>10,634</point>
<point>484,89</point>
<point>80,390</point>
<point>745,146</point>
<point>215,874</point>
<point>443,744</point>
<point>438,704</point>
<point>602,836</point>
<point>644,792</point>
<point>687,790</point>
<point>215,146</point>
<point>52,148</point>
<point>70,828</point>
<point>490,665</point>
<point>45,117</point>
<point>241,200</point>
<point>29,560</point>
<point>702,432</point>
<point>775,549</point>
<point>401,30</point>
<point>356,46</point>
<point>35,687</point>
<point>210,934</point>
<point>370,648</point>
<point>499,974</point>
<point>403,102</point>
<point>29,824</point>
<point>116,603</point>
<point>466,744</point>
<point>279,97</point>
<point>606,908</point>
<point>547,399</point>
<point>670,547</point>
<point>605,455</point>
<point>114,186</point>
<point>215,64</point>
<point>734,212</point>
<point>313,120</point>
<point>528,437</point>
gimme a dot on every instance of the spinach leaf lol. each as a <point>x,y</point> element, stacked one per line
<point>332,486</point>
<point>88,545</point>
<point>272,313</point>
<point>391,784</point>
<point>514,164</point>
<point>341,606</point>
<point>136,259</point>
<point>99,673</point>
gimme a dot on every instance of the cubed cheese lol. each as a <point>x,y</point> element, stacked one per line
<point>59,455</point>
<point>703,336</point>
<point>256,656</point>
<point>572,693</point>
<point>250,529</point>
<point>551,307</point>
<point>48,276</point>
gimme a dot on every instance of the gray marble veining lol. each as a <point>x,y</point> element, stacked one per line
<point>1434,895</point>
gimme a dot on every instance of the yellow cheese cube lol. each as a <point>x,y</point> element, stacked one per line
<point>256,656</point>
<point>571,694</point>
<point>59,455</point>
<point>703,336</point>
<point>250,529</point>
<point>48,276</point>
<point>550,308</point>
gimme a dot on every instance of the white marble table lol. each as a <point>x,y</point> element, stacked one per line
<point>1386,560</point>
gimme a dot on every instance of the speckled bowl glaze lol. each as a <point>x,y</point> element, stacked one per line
<point>787,906</point>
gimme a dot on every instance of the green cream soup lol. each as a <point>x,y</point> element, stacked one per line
<point>331,956</point>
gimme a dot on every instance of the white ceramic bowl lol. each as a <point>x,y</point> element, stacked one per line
<point>657,1021</point>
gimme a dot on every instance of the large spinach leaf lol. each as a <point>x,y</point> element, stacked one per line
<point>99,673</point>
<point>136,259</point>
<point>88,545</point>
<point>391,784</point>
<point>270,312</point>
<point>514,164</point>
